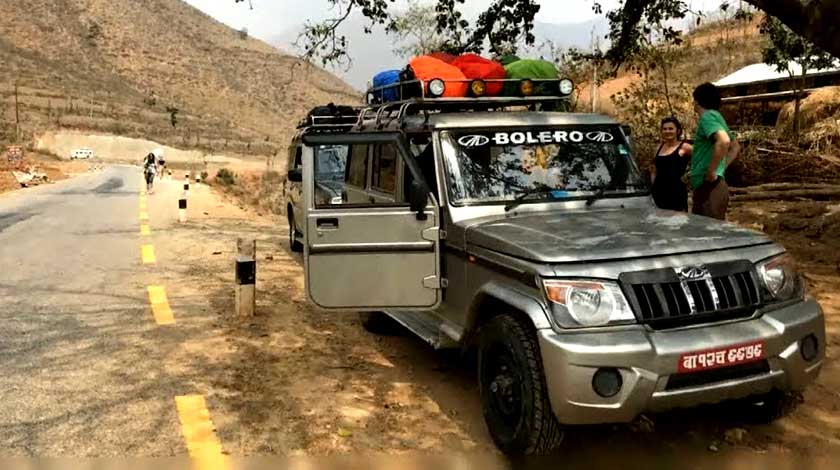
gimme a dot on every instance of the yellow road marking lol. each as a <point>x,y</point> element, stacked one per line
<point>148,254</point>
<point>198,431</point>
<point>143,205</point>
<point>144,215</point>
<point>145,230</point>
<point>160,306</point>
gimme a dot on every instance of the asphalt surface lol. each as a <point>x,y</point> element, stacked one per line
<point>81,358</point>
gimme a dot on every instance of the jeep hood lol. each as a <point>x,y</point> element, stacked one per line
<point>607,235</point>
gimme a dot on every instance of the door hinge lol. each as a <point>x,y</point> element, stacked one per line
<point>435,282</point>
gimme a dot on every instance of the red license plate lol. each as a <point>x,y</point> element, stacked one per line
<point>721,357</point>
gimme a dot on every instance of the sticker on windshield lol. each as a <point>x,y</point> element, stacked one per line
<point>535,137</point>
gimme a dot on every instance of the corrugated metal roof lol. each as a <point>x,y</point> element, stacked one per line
<point>764,72</point>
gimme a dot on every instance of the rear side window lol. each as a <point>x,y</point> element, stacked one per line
<point>295,157</point>
<point>384,177</point>
<point>357,166</point>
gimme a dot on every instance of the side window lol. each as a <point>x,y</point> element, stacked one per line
<point>357,166</point>
<point>294,157</point>
<point>330,171</point>
<point>384,176</point>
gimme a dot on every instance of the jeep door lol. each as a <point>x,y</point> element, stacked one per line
<point>375,250</point>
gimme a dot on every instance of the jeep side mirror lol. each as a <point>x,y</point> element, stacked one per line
<point>417,197</point>
<point>295,175</point>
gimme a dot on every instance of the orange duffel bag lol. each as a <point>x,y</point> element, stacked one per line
<point>428,68</point>
<point>476,67</point>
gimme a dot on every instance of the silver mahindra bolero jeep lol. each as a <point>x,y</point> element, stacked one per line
<point>530,235</point>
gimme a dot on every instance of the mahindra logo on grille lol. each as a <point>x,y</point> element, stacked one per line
<point>692,273</point>
<point>600,136</point>
<point>472,141</point>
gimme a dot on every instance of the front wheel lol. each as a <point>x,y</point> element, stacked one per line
<point>771,407</point>
<point>514,399</point>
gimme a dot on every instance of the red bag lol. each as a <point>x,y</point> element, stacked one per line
<point>444,56</point>
<point>476,67</point>
<point>428,68</point>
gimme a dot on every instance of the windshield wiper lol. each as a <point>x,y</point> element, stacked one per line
<point>600,193</point>
<point>526,194</point>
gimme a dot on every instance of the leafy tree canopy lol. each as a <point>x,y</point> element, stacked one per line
<point>508,23</point>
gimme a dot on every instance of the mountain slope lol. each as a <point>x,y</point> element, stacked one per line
<point>121,66</point>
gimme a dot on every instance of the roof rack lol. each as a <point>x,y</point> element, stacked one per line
<point>416,96</point>
<point>327,119</point>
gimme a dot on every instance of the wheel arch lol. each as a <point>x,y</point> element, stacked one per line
<point>494,299</point>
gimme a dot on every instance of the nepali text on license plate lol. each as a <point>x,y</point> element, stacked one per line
<point>721,357</point>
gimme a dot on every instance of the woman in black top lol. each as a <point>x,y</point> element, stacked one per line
<point>672,159</point>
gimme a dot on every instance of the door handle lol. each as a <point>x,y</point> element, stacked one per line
<point>330,222</point>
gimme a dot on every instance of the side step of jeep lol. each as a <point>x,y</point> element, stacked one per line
<point>428,326</point>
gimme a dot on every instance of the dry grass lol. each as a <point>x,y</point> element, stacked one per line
<point>233,95</point>
<point>819,120</point>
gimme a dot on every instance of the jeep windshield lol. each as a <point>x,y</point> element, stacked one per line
<point>538,165</point>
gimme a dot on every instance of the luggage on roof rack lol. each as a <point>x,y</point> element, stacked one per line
<point>331,118</point>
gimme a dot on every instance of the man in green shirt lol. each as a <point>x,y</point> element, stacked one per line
<point>715,148</point>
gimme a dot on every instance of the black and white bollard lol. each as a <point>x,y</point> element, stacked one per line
<point>197,181</point>
<point>170,174</point>
<point>246,277</point>
<point>187,188</point>
<point>182,209</point>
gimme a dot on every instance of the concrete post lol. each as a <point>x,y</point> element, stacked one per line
<point>182,209</point>
<point>246,277</point>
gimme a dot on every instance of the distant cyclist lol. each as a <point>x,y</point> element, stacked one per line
<point>149,170</point>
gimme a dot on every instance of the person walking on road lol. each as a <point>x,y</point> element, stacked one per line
<point>149,170</point>
<point>161,163</point>
<point>715,148</point>
<point>672,158</point>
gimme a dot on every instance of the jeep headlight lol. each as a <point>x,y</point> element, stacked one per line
<point>585,303</point>
<point>780,279</point>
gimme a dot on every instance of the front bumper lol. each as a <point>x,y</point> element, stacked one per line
<point>646,360</point>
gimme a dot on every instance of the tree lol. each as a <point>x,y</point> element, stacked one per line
<point>173,115</point>
<point>812,19</point>
<point>506,22</point>
<point>784,49</point>
<point>416,30</point>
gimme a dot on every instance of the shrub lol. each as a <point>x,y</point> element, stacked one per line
<point>226,177</point>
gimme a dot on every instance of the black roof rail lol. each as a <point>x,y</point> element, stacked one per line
<point>323,119</point>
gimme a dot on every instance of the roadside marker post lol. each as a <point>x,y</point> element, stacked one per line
<point>187,189</point>
<point>182,209</point>
<point>246,277</point>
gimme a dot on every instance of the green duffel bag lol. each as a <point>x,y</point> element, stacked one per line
<point>532,69</point>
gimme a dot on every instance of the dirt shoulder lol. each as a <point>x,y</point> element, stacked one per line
<point>53,168</point>
<point>294,381</point>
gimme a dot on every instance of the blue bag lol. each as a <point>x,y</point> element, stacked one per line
<point>388,77</point>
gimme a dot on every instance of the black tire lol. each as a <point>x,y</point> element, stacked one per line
<point>294,244</point>
<point>768,408</point>
<point>511,381</point>
<point>379,323</point>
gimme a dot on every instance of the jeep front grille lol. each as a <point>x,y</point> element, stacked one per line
<point>664,299</point>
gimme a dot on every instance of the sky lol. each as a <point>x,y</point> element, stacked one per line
<point>270,18</point>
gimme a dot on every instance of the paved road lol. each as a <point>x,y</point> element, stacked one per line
<point>81,359</point>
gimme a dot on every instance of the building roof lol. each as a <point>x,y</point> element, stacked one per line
<point>763,72</point>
